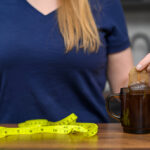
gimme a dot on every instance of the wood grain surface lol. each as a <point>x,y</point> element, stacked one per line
<point>109,137</point>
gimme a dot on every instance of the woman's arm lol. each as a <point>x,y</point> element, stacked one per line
<point>119,65</point>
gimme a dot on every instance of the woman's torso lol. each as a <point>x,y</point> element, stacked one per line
<point>37,78</point>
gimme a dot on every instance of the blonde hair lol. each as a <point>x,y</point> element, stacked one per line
<point>77,25</point>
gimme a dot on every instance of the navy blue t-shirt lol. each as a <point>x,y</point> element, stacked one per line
<point>38,79</point>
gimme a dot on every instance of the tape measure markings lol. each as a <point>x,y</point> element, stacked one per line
<point>64,126</point>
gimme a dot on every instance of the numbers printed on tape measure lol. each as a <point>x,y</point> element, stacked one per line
<point>64,126</point>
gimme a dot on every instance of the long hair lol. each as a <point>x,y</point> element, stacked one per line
<point>77,25</point>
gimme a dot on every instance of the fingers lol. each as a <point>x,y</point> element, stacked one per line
<point>144,63</point>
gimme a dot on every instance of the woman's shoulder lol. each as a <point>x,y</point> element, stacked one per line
<point>103,1</point>
<point>97,4</point>
<point>105,8</point>
<point>107,13</point>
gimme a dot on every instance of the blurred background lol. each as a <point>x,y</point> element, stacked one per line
<point>137,13</point>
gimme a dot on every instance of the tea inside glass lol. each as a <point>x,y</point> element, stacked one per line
<point>135,109</point>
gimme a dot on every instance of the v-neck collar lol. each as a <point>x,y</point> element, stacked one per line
<point>36,11</point>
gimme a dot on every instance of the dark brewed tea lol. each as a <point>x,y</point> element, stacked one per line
<point>135,110</point>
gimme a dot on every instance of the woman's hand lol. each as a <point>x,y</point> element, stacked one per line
<point>144,63</point>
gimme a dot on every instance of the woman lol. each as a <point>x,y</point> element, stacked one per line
<point>55,56</point>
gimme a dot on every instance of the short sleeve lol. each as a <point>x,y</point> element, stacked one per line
<point>110,19</point>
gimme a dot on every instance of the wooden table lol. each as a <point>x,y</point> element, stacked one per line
<point>110,136</point>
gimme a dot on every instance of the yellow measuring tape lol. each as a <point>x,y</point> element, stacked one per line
<point>64,126</point>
